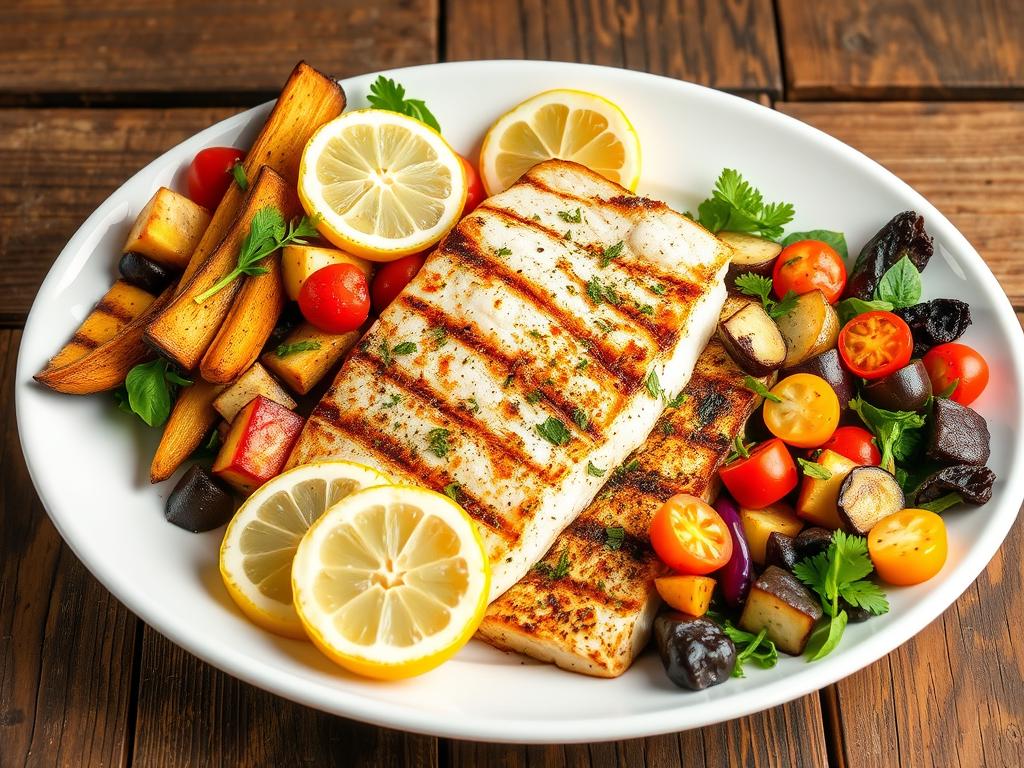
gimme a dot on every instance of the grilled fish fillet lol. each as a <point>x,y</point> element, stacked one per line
<point>588,607</point>
<point>529,347</point>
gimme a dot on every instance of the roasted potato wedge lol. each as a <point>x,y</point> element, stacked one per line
<point>190,421</point>
<point>255,381</point>
<point>810,328</point>
<point>754,340</point>
<point>168,229</point>
<point>302,370</point>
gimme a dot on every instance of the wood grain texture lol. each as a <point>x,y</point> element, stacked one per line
<point>726,44</point>
<point>66,645</point>
<point>790,736</point>
<point>132,50</point>
<point>56,166</point>
<point>190,714</point>
<point>966,158</point>
<point>902,49</point>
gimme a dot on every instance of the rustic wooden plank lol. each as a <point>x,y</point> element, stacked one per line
<point>791,735</point>
<point>131,50</point>
<point>190,714</point>
<point>56,166</point>
<point>726,44</point>
<point>66,645</point>
<point>902,49</point>
<point>967,158</point>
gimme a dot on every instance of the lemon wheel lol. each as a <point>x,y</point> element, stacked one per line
<point>391,581</point>
<point>564,124</point>
<point>382,185</point>
<point>260,541</point>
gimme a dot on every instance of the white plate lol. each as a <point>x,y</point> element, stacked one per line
<point>89,462</point>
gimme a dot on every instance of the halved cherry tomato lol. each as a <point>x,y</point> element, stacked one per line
<point>908,547</point>
<point>209,175</point>
<point>804,410</point>
<point>807,265</point>
<point>948,363</point>
<point>763,477</point>
<point>856,444</point>
<point>689,536</point>
<point>336,298</point>
<point>474,187</point>
<point>392,277</point>
<point>875,344</point>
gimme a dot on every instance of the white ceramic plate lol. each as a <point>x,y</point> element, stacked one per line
<point>89,462</point>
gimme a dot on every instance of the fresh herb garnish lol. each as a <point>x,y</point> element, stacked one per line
<point>760,287</point>
<point>385,93</point>
<point>652,384</point>
<point>614,536</point>
<point>404,348</point>
<point>503,251</point>
<point>900,286</point>
<point>439,335</point>
<point>736,206</point>
<point>149,390</point>
<point>583,363</point>
<point>268,232</point>
<point>534,396</point>
<point>238,172</point>
<point>595,471</point>
<point>453,490</point>
<point>665,427</point>
<point>850,308</point>
<point>437,439</point>
<point>473,406</point>
<point>508,381</point>
<point>739,450</point>
<point>554,431</point>
<point>625,468</point>
<point>283,350</point>
<point>609,254</point>
<point>571,217</point>
<point>580,418</point>
<point>392,401</point>
<point>892,430</point>
<point>942,503</point>
<point>758,388</point>
<point>599,291</point>
<point>840,573</point>
<point>814,469</point>
<point>836,239</point>
<point>555,572</point>
<point>676,401</point>
<point>658,289</point>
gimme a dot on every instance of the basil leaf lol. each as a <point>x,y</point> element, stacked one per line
<point>850,308</point>
<point>836,239</point>
<point>148,395</point>
<point>900,285</point>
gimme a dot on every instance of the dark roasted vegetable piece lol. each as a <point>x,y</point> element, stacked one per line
<point>812,541</point>
<point>903,236</point>
<point>753,340</point>
<point>198,502</point>
<point>907,389</point>
<point>736,575</point>
<point>829,366</point>
<point>750,254</point>
<point>696,652</point>
<point>973,483</point>
<point>144,273</point>
<point>780,603</point>
<point>957,434</point>
<point>935,322</point>
<point>866,496</point>
<point>781,551</point>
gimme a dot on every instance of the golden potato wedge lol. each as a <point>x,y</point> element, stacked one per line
<point>168,229</point>
<point>255,381</point>
<point>300,261</point>
<point>810,328</point>
<point>759,524</point>
<point>302,370</point>
<point>190,421</point>
<point>818,502</point>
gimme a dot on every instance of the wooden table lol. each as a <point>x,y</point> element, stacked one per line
<point>89,92</point>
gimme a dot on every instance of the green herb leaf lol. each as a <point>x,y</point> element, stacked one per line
<point>283,350</point>
<point>599,291</point>
<point>759,388</point>
<point>814,469</point>
<point>503,251</point>
<point>453,490</point>
<point>665,427</point>
<point>888,428</point>
<point>652,384</point>
<point>386,94</point>
<point>238,172</point>
<point>658,289</point>
<point>942,503</point>
<point>826,637</point>
<point>736,206</point>
<point>404,348</point>
<point>614,536</point>
<point>632,465</point>
<point>580,418</point>
<point>437,439</point>
<point>439,335</point>
<point>835,239</point>
<point>595,471</point>
<point>571,217</point>
<point>472,405</point>
<point>392,401</point>
<point>555,572</point>
<point>609,254</point>
<point>850,308</point>
<point>534,396</point>
<point>676,401</point>
<point>739,449</point>
<point>149,390</point>
<point>760,287</point>
<point>749,647</point>
<point>866,595</point>
<point>583,363</point>
<point>900,285</point>
<point>554,431</point>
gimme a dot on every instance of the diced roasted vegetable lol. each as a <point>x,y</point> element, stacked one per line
<point>189,423</point>
<point>750,254</point>
<point>168,229</point>
<point>907,389</point>
<point>696,652</point>
<point>753,340</point>
<point>903,236</point>
<point>258,444</point>
<point>736,575</point>
<point>829,366</point>
<point>759,524</point>
<point>686,593</point>
<point>781,551</point>
<point>935,322</point>
<point>307,355</point>
<point>198,502</point>
<point>866,496</point>
<point>812,541</point>
<point>810,328</point>
<point>818,502</point>
<point>255,381</point>
<point>144,273</point>
<point>779,603</point>
<point>957,434</point>
<point>973,483</point>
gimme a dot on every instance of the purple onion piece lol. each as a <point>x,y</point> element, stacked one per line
<point>736,576</point>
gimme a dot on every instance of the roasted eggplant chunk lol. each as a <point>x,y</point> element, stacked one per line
<point>907,389</point>
<point>867,495</point>
<point>957,434</point>
<point>973,483</point>
<point>903,236</point>
<point>812,541</point>
<point>935,322</point>
<point>696,652</point>
<point>754,340</point>
<point>829,366</point>
<point>781,551</point>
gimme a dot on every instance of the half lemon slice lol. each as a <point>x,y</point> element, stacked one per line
<point>564,124</point>
<point>382,184</point>
<point>261,539</point>
<point>391,581</point>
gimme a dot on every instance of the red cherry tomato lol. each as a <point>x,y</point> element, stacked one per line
<point>762,478</point>
<point>948,363</point>
<point>209,175</point>
<point>856,444</point>
<point>875,344</point>
<point>336,298</point>
<point>474,187</point>
<point>392,277</point>
<point>807,265</point>
<point>690,536</point>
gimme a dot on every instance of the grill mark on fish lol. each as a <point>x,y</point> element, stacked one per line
<point>579,588</point>
<point>461,247</point>
<point>114,311</point>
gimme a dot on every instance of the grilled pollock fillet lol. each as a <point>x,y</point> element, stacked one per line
<point>597,617</point>
<point>519,319</point>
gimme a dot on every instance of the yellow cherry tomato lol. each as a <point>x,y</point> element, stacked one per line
<point>802,410</point>
<point>908,547</point>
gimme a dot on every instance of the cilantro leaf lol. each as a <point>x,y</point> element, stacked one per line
<point>614,536</point>
<point>760,287</point>
<point>609,254</point>
<point>283,350</point>
<point>595,471</point>
<point>749,647</point>
<point>437,440</point>
<point>580,418</point>
<point>736,206</point>
<point>386,94</point>
<point>571,217</point>
<point>900,285</point>
<point>453,490</point>
<point>866,595</point>
<point>835,239</point>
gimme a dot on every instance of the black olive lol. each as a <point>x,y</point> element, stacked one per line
<point>696,652</point>
<point>144,273</point>
<point>198,503</point>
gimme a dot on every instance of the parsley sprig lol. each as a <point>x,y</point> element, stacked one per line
<point>736,206</point>
<point>385,93</point>
<point>760,287</point>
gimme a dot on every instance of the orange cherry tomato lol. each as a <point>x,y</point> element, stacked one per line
<point>807,265</point>
<point>763,477</point>
<point>690,536</point>
<point>804,411</point>
<point>949,363</point>
<point>908,547</point>
<point>875,344</point>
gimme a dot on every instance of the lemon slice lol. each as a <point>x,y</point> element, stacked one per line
<point>260,541</point>
<point>384,185</point>
<point>564,124</point>
<point>391,581</point>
